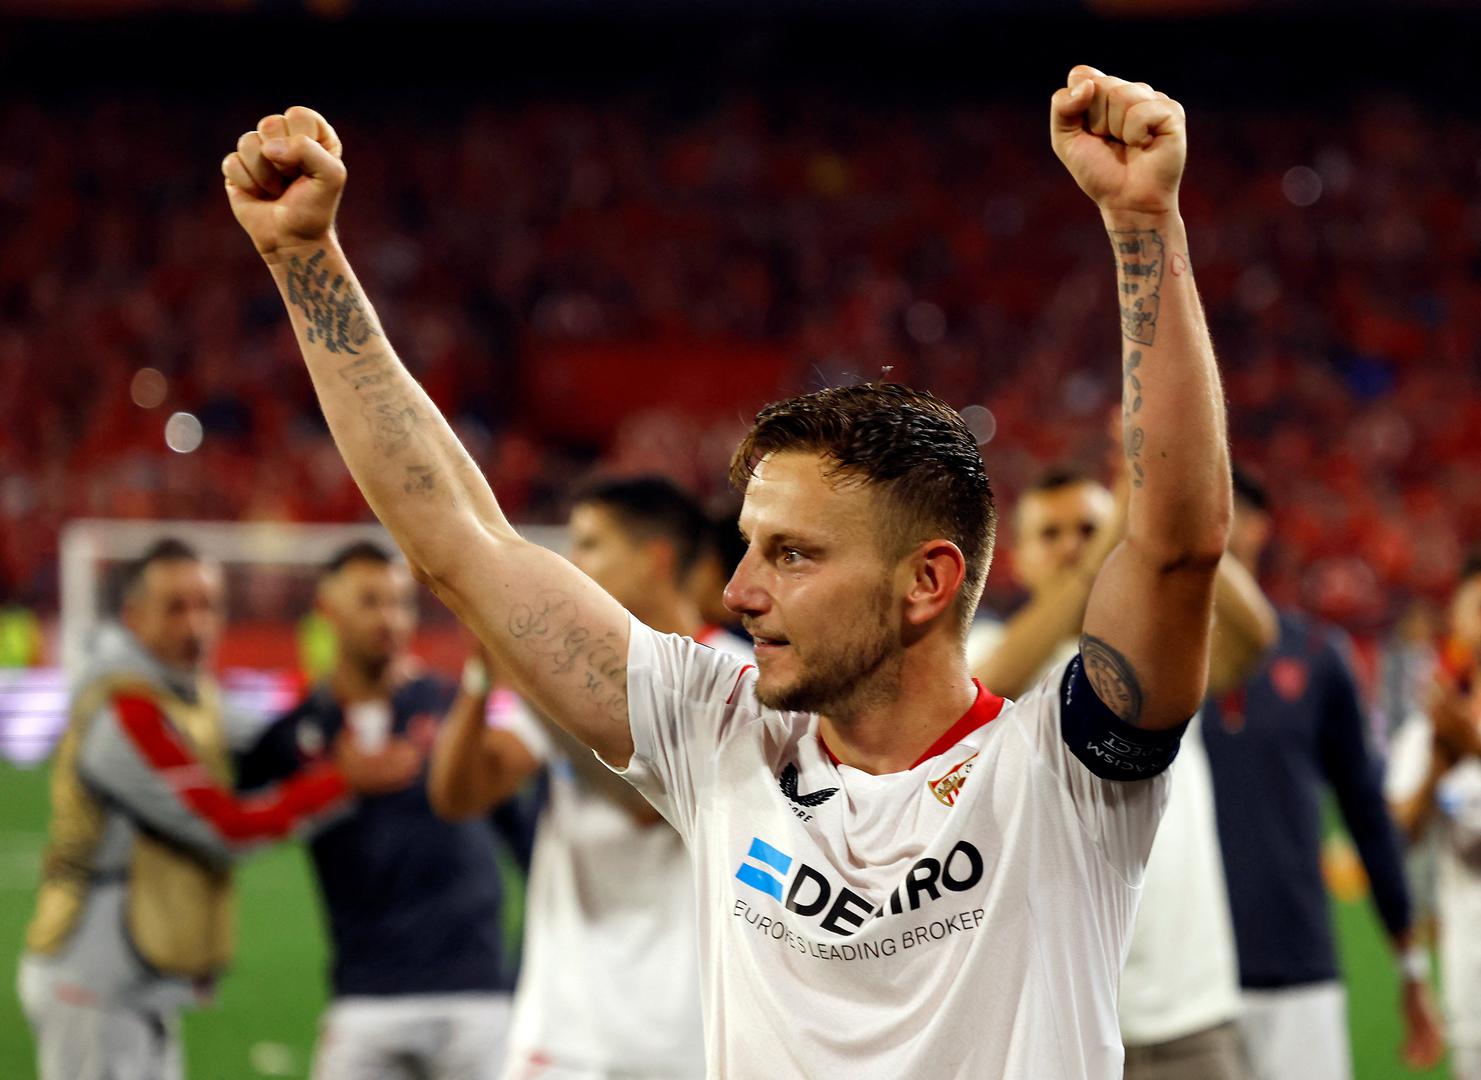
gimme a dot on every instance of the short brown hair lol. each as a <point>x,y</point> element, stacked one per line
<point>909,444</point>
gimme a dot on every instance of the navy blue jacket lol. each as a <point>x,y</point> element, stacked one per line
<point>414,903</point>
<point>1273,744</point>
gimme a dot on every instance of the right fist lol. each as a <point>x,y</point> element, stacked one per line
<point>284,180</point>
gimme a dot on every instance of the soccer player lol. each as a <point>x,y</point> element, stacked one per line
<point>134,917</point>
<point>610,881</point>
<point>944,893</point>
<point>1179,1005</point>
<point>1434,778</point>
<point>413,902</point>
<point>1274,743</point>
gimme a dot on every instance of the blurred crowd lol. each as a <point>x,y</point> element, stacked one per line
<point>1339,255</point>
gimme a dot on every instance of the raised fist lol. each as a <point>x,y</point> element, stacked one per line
<point>1124,143</point>
<point>284,180</point>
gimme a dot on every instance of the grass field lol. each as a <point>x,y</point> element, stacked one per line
<point>264,1023</point>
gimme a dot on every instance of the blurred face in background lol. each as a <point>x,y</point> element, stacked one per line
<point>1248,534</point>
<point>1465,615</point>
<point>706,587</point>
<point>608,551</point>
<point>1054,527</point>
<point>815,589</point>
<point>175,610</point>
<point>372,607</point>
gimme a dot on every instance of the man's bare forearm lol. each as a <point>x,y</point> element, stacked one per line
<point>1052,616</point>
<point>1173,404</point>
<point>403,455</point>
<point>1246,626</point>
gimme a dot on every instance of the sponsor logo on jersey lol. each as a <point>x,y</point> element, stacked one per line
<point>310,739</point>
<point>808,892</point>
<point>948,787</point>
<point>1290,677</point>
<point>761,877</point>
<point>787,781</point>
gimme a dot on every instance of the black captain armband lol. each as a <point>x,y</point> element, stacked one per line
<point>1105,744</point>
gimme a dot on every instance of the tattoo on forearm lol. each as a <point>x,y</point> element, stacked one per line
<point>1131,406</point>
<point>548,627</point>
<point>337,317</point>
<point>1112,677</point>
<point>1139,276</point>
<point>420,480</point>
<point>386,402</point>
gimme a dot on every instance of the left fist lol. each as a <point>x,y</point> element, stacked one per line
<point>1124,143</point>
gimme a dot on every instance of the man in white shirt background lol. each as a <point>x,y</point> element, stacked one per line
<point>1434,780</point>
<point>609,984</point>
<point>1180,987</point>
<point>890,883</point>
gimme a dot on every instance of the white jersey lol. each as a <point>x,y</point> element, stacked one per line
<point>967,917</point>
<point>1169,990</point>
<point>1458,877</point>
<point>609,982</point>
<point>1182,968</point>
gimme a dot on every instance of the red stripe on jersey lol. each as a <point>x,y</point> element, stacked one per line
<point>260,817</point>
<point>735,689</point>
<point>984,710</point>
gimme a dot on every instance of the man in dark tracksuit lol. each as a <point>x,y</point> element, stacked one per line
<point>1273,743</point>
<point>134,914</point>
<point>413,902</point>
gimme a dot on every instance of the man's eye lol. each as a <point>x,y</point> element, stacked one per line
<point>791,556</point>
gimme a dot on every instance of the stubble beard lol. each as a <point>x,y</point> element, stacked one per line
<point>848,673</point>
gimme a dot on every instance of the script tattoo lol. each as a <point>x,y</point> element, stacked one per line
<point>387,405</point>
<point>1112,677</point>
<point>1131,405</point>
<point>549,627</point>
<point>1139,275</point>
<point>336,315</point>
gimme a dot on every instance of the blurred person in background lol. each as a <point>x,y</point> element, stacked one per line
<point>1434,781</point>
<point>1275,742</point>
<point>1179,1002</point>
<point>134,918</point>
<point>610,978</point>
<point>413,902</point>
<point>718,557</point>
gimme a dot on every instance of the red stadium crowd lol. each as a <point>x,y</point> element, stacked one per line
<point>821,242</point>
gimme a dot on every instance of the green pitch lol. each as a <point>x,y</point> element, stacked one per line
<point>263,1025</point>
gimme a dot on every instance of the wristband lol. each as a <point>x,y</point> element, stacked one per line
<point>475,681</point>
<point>1414,964</point>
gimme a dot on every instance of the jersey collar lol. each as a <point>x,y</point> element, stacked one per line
<point>984,709</point>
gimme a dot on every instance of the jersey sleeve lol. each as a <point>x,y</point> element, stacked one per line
<point>682,698</point>
<point>1114,772</point>
<point>133,756</point>
<point>1354,774</point>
